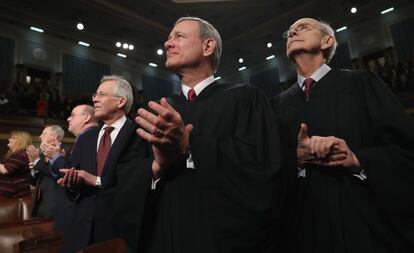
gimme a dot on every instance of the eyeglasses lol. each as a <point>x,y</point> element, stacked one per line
<point>103,94</point>
<point>301,28</point>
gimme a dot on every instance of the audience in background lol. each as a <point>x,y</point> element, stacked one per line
<point>14,169</point>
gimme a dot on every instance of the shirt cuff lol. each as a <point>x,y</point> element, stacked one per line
<point>154,183</point>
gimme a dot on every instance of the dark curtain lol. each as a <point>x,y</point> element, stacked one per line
<point>156,88</point>
<point>268,81</point>
<point>6,59</point>
<point>81,76</point>
<point>342,58</point>
<point>403,36</point>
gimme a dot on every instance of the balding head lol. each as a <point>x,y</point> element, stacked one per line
<point>81,118</point>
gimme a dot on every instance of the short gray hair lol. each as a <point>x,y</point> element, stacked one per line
<point>122,89</point>
<point>58,130</point>
<point>207,31</point>
<point>326,28</point>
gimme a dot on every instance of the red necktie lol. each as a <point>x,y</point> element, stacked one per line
<point>309,82</point>
<point>103,150</point>
<point>191,96</point>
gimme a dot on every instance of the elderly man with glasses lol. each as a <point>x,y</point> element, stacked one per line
<point>349,149</point>
<point>92,176</point>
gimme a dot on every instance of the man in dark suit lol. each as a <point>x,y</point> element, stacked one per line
<point>42,175</point>
<point>92,175</point>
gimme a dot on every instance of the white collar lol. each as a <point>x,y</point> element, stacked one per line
<point>317,75</point>
<point>117,124</point>
<point>198,88</point>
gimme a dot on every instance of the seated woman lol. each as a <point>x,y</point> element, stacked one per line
<point>14,169</point>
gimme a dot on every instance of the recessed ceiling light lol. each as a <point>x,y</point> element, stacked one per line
<point>80,26</point>
<point>121,55</point>
<point>387,10</point>
<point>118,44</point>
<point>83,44</point>
<point>131,47</point>
<point>343,28</point>
<point>217,78</point>
<point>269,45</point>
<point>270,57</point>
<point>125,46</point>
<point>152,64</point>
<point>36,29</point>
<point>160,51</point>
<point>242,68</point>
<point>241,60</point>
<point>354,10</point>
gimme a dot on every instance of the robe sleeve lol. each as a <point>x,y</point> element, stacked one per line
<point>243,170</point>
<point>389,161</point>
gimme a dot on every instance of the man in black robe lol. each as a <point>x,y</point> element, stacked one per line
<point>349,145</point>
<point>216,169</point>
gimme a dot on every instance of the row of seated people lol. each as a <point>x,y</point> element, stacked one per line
<point>28,187</point>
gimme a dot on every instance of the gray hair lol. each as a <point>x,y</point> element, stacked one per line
<point>89,110</point>
<point>122,89</point>
<point>327,29</point>
<point>207,31</point>
<point>58,130</point>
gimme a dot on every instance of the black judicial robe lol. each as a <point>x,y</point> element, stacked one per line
<point>334,211</point>
<point>230,202</point>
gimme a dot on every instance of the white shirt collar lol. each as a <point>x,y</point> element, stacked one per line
<point>199,87</point>
<point>117,124</point>
<point>317,75</point>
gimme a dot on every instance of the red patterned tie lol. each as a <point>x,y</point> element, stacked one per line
<point>103,150</point>
<point>309,82</point>
<point>191,95</point>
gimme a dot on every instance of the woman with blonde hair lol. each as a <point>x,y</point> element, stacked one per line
<point>14,169</point>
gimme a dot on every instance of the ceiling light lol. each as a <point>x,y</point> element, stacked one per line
<point>121,55</point>
<point>354,10</point>
<point>36,29</point>
<point>241,60</point>
<point>343,28</point>
<point>217,78</point>
<point>387,10</point>
<point>80,26</point>
<point>131,47</point>
<point>83,44</point>
<point>153,64</point>
<point>270,57</point>
<point>125,46</point>
<point>269,45</point>
<point>242,68</point>
<point>160,51</point>
<point>118,44</point>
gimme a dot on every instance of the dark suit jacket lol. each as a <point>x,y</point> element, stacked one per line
<point>89,215</point>
<point>45,183</point>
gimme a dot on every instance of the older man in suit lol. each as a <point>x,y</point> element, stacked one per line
<point>92,178</point>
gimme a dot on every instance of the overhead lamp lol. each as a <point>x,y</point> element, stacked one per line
<point>217,78</point>
<point>85,44</point>
<point>121,55</point>
<point>125,46</point>
<point>343,28</point>
<point>387,10</point>
<point>36,29</point>
<point>241,60</point>
<point>131,47</point>
<point>153,64</point>
<point>80,26</point>
<point>118,44</point>
<point>242,68</point>
<point>354,10</point>
<point>160,51</point>
<point>269,44</point>
<point>270,57</point>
